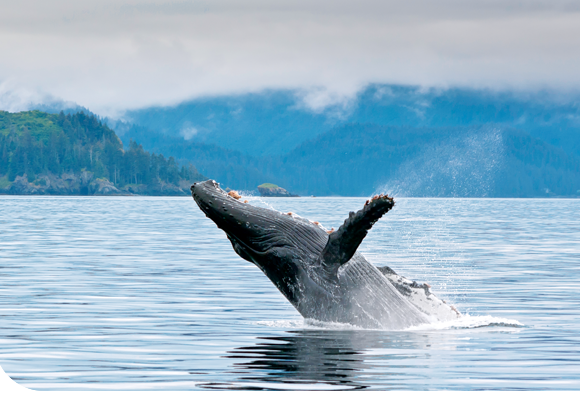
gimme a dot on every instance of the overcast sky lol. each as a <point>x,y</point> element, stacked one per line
<point>110,55</point>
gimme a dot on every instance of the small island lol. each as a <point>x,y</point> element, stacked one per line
<point>271,190</point>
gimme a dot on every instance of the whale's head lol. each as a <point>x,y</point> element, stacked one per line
<point>282,245</point>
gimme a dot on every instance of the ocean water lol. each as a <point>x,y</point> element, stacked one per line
<point>145,293</point>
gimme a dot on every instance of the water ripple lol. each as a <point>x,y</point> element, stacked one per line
<point>145,293</point>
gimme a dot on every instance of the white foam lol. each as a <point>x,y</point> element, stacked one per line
<point>282,324</point>
<point>469,322</point>
<point>465,322</point>
<point>309,324</point>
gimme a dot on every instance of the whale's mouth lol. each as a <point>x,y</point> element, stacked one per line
<point>253,231</point>
<point>216,204</point>
<point>224,210</point>
<point>256,231</point>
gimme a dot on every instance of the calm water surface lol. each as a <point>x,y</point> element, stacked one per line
<point>146,293</point>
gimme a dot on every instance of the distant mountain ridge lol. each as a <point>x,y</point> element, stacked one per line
<point>415,142</point>
<point>275,122</point>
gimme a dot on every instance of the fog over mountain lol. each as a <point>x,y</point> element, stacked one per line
<point>110,56</point>
<point>400,139</point>
<point>274,122</point>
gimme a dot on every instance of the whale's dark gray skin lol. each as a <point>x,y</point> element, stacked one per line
<point>321,274</point>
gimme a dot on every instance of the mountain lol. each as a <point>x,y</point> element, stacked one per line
<point>43,153</point>
<point>397,139</point>
<point>275,122</point>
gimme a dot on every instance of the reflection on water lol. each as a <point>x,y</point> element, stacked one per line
<point>333,358</point>
<point>470,354</point>
<point>147,294</point>
<point>310,359</point>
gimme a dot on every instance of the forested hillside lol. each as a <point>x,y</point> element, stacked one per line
<point>77,154</point>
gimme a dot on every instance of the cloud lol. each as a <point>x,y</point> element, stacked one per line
<point>14,98</point>
<point>112,55</point>
<point>188,131</point>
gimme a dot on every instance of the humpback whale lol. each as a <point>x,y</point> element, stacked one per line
<point>321,273</point>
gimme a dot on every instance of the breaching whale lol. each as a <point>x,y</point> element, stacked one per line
<point>321,273</point>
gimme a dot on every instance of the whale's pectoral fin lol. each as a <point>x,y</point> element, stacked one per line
<point>343,242</point>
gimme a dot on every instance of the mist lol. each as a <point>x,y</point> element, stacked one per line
<point>111,56</point>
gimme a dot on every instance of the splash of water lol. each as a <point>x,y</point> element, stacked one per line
<point>460,167</point>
